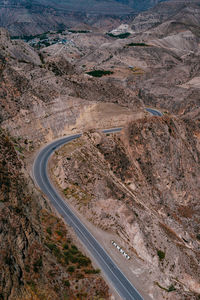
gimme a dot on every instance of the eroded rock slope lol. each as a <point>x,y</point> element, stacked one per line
<point>45,97</point>
<point>38,258</point>
<point>143,186</point>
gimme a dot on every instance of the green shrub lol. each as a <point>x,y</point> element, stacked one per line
<point>161,254</point>
<point>73,251</point>
<point>74,247</point>
<point>32,285</point>
<point>84,261</point>
<point>171,288</point>
<point>71,269</point>
<point>66,253</point>
<point>27,268</point>
<point>68,256</point>
<point>119,36</point>
<point>78,31</point>
<point>37,265</point>
<point>65,246</point>
<point>57,252</point>
<point>66,260</point>
<point>99,73</point>
<point>67,283</point>
<point>96,271</point>
<point>60,233</point>
<point>73,259</point>
<point>198,236</point>
<point>8,260</point>
<point>137,45</point>
<point>43,36</point>
<point>51,246</point>
<point>49,231</point>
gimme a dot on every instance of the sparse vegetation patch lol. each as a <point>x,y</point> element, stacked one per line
<point>161,254</point>
<point>119,36</point>
<point>137,45</point>
<point>99,73</point>
<point>171,288</point>
<point>78,31</point>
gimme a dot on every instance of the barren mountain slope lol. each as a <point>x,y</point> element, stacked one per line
<point>38,259</point>
<point>89,4</point>
<point>27,17</point>
<point>45,97</point>
<point>159,63</point>
<point>143,188</point>
<point>168,10</point>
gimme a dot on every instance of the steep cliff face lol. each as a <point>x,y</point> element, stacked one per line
<point>38,259</point>
<point>143,186</point>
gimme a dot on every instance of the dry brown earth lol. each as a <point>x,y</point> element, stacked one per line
<point>140,188</point>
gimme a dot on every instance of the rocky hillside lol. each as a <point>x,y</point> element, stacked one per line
<point>101,4</point>
<point>38,256</point>
<point>157,66</point>
<point>174,85</point>
<point>142,187</point>
<point>157,56</point>
<point>26,17</point>
<point>139,188</point>
<point>140,5</point>
<point>43,97</point>
<point>178,11</point>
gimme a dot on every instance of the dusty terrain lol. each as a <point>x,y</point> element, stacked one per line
<point>49,98</point>
<point>38,258</point>
<point>142,187</point>
<point>159,61</point>
<point>25,17</point>
<point>139,188</point>
<point>42,99</point>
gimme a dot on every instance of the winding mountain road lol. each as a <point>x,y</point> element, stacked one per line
<point>113,274</point>
<point>154,112</point>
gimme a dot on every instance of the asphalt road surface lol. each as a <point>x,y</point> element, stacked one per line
<point>154,112</point>
<point>113,274</point>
